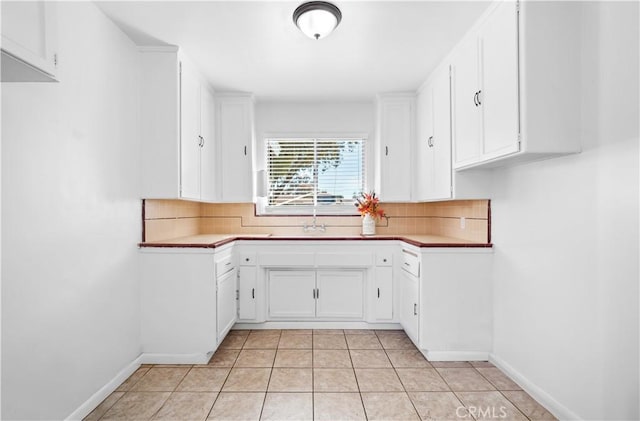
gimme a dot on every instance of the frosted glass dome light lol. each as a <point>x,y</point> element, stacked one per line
<point>317,19</point>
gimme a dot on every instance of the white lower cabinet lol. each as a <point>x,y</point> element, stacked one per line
<point>383,285</point>
<point>292,293</point>
<point>178,304</point>
<point>339,294</point>
<point>191,298</point>
<point>311,294</point>
<point>383,294</point>
<point>227,302</point>
<point>455,304</point>
<point>410,305</point>
<point>247,286</point>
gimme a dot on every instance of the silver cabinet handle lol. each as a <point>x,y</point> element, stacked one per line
<point>415,309</point>
<point>430,141</point>
<point>478,95</point>
<point>475,99</point>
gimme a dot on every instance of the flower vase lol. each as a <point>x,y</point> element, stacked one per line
<point>368,225</point>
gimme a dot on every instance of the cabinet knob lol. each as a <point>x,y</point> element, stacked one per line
<point>246,259</point>
<point>384,260</point>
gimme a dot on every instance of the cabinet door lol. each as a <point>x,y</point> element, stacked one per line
<point>227,303</point>
<point>409,312</point>
<point>340,294</point>
<point>208,151</point>
<point>28,36</point>
<point>383,293</point>
<point>499,95</point>
<point>424,157</point>
<point>189,132</point>
<point>466,115</point>
<point>236,135</point>
<point>441,142</point>
<point>395,143</point>
<point>247,293</point>
<point>292,294</point>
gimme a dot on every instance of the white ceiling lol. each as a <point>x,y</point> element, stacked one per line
<point>253,46</point>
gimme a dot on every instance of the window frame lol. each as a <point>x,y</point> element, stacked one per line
<point>347,209</point>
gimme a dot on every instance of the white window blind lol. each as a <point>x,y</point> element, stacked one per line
<point>321,173</point>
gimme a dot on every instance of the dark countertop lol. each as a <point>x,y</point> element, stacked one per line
<point>217,240</point>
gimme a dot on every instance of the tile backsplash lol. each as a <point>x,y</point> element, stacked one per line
<point>165,219</point>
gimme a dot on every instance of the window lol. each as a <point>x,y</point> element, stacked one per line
<point>307,174</point>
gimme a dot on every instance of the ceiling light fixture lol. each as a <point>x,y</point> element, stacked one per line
<point>317,19</point>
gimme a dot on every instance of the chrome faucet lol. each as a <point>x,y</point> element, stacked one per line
<point>314,227</point>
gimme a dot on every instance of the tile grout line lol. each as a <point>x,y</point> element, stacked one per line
<point>395,370</point>
<point>222,385</point>
<point>270,374</point>
<point>500,391</point>
<point>313,387</point>
<point>353,368</point>
<point>171,392</point>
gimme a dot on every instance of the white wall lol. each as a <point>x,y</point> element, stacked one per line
<point>71,220</point>
<point>566,242</point>
<point>314,119</point>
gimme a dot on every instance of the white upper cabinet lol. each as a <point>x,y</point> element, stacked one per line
<point>177,116</point>
<point>514,86</point>
<point>197,141</point>
<point>28,41</point>
<point>190,140</point>
<point>209,149</point>
<point>234,120</point>
<point>485,90</point>
<point>395,117</point>
<point>432,150</point>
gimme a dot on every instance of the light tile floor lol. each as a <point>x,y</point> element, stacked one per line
<point>319,375</point>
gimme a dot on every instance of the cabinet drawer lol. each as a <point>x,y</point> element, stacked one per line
<point>247,259</point>
<point>224,265</point>
<point>410,262</point>
<point>384,259</point>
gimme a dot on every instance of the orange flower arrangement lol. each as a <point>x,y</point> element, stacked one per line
<point>368,204</point>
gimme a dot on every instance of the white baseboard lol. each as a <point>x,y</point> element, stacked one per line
<point>556,408</point>
<point>199,358</point>
<point>95,399</point>
<point>315,325</point>
<point>456,355</point>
